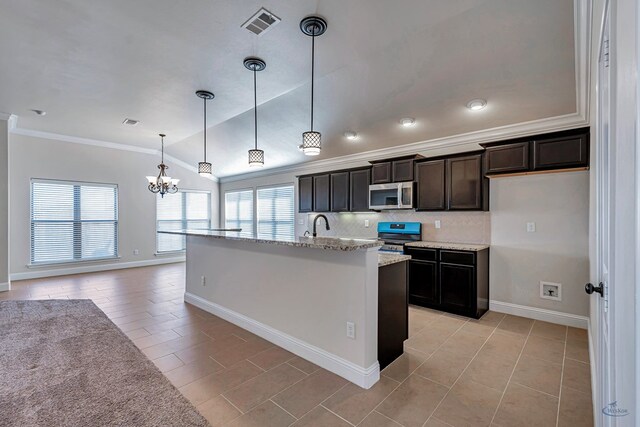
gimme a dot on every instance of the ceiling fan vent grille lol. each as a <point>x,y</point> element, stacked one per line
<point>130,122</point>
<point>261,22</point>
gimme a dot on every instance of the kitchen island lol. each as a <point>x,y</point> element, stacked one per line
<point>316,297</point>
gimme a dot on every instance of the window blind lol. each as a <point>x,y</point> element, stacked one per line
<point>73,221</point>
<point>238,210</point>
<point>186,209</point>
<point>276,213</point>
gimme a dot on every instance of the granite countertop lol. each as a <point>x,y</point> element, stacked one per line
<point>331,243</point>
<point>388,258</point>
<point>446,245</point>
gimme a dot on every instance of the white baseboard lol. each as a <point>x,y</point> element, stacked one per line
<point>540,314</point>
<point>63,271</point>
<point>5,286</point>
<point>363,377</point>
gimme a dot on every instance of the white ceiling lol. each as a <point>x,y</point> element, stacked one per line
<point>91,64</point>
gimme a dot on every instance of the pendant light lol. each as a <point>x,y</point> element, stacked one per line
<point>204,167</point>
<point>256,157</point>
<point>162,183</point>
<point>312,26</point>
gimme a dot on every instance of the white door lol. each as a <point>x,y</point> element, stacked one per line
<point>606,409</point>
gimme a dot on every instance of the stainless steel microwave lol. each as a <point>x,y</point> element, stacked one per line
<point>398,195</point>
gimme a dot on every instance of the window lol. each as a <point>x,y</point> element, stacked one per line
<point>238,210</point>
<point>276,213</point>
<point>73,221</point>
<point>186,209</point>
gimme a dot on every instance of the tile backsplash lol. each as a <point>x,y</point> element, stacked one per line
<point>456,227</point>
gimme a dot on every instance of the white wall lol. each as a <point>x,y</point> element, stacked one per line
<point>558,251</point>
<point>50,159</point>
<point>4,207</point>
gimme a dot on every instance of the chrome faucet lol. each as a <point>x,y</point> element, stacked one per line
<point>315,221</point>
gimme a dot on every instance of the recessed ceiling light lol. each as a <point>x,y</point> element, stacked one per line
<point>476,104</point>
<point>351,135</point>
<point>130,122</point>
<point>407,121</point>
<point>40,112</point>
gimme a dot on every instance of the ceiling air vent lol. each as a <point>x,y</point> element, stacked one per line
<point>130,122</point>
<point>261,22</point>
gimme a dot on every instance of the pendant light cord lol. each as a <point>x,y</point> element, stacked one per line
<point>313,56</point>
<point>162,145</point>
<point>205,128</point>
<point>255,106</point>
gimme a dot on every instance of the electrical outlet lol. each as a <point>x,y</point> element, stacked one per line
<point>531,227</point>
<point>351,330</point>
<point>437,223</point>
<point>203,281</point>
<point>366,223</point>
<point>136,251</point>
<point>550,290</point>
<point>300,221</point>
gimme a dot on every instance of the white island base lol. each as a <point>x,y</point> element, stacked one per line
<point>299,295</point>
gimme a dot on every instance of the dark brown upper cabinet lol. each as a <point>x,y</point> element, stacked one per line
<point>359,181</point>
<point>340,192</point>
<point>559,150</point>
<point>464,183</point>
<point>560,153</point>
<point>402,170</point>
<point>381,173</point>
<point>305,194</point>
<point>506,158</point>
<point>321,193</point>
<point>430,178</point>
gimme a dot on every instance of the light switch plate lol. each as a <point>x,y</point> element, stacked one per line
<point>531,227</point>
<point>366,223</point>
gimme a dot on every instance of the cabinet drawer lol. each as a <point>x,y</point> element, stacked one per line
<point>421,253</point>
<point>458,257</point>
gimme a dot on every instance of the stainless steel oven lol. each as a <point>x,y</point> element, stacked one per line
<point>391,196</point>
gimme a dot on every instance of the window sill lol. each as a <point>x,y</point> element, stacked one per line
<point>170,253</point>
<point>81,261</point>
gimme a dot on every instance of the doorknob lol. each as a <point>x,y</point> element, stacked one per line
<point>589,288</point>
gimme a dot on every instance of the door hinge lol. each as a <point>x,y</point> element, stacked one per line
<point>605,53</point>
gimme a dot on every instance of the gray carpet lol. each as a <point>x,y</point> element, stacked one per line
<point>64,363</point>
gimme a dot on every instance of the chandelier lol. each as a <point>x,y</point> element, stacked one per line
<point>162,183</point>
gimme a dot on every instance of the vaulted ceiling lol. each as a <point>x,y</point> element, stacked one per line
<point>92,64</point>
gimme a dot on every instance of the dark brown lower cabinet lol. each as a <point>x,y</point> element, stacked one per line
<point>425,290</point>
<point>456,281</point>
<point>393,312</point>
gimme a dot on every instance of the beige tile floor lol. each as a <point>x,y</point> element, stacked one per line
<point>500,371</point>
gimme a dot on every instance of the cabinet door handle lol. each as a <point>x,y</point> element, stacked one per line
<point>589,288</point>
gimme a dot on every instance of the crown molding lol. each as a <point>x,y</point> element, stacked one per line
<point>104,144</point>
<point>458,143</point>
<point>11,119</point>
